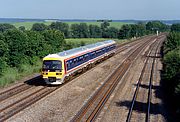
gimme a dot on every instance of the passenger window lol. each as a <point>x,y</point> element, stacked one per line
<point>75,61</point>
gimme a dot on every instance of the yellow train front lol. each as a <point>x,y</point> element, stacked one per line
<point>53,69</point>
<point>57,68</point>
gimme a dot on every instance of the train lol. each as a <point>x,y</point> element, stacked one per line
<point>60,67</point>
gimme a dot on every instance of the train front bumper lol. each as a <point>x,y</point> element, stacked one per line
<point>55,81</point>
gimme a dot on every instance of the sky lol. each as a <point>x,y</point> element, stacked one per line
<point>91,9</point>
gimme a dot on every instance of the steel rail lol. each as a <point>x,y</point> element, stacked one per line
<point>119,72</point>
<point>150,86</point>
<point>16,90</point>
<point>139,82</point>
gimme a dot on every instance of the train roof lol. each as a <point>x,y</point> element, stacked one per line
<point>71,52</point>
<point>84,48</point>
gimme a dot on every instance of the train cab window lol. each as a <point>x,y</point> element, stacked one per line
<point>67,64</point>
<point>52,65</point>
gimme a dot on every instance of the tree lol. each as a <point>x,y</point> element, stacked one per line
<point>4,27</point>
<point>141,29</point>
<point>175,27</point>
<point>171,75</point>
<point>36,45</point>
<point>39,27</point>
<point>3,54</point>
<point>105,25</point>
<point>95,31</point>
<point>156,25</point>
<point>17,44</point>
<point>3,49</point>
<point>124,32</point>
<point>112,32</point>
<point>83,30</point>
<point>55,39</point>
<point>22,28</point>
<point>172,63</point>
<point>75,31</point>
<point>63,27</point>
<point>133,31</point>
<point>173,41</point>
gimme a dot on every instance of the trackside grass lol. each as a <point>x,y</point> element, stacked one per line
<point>13,74</point>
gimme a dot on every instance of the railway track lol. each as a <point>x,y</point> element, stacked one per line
<point>15,107</point>
<point>24,102</point>
<point>153,52</point>
<point>154,99</point>
<point>17,89</point>
<point>94,105</point>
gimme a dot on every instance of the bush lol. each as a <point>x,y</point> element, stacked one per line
<point>172,63</point>
<point>171,78</point>
<point>173,41</point>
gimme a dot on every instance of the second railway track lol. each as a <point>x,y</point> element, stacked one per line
<point>147,73</point>
<point>92,108</point>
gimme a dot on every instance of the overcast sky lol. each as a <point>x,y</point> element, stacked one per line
<point>90,9</point>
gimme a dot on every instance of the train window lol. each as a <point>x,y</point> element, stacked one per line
<point>93,53</point>
<point>74,60</point>
<point>77,59</point>
<point>80,58</point>
<point>86,56</point>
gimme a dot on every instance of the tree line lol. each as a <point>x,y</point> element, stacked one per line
<point>171,69</point>
<point>83,30</point>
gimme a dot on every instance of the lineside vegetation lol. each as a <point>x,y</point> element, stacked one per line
<point>171,71</point>
<point>21,50</point>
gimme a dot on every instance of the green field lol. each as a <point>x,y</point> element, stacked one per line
<point>28,25</point>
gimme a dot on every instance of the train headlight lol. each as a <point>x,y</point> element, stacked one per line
<point>45,73</point>
<point>58,73</point>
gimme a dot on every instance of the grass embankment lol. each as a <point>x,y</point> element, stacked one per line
<point>13,74</point>
<point>28,25</point>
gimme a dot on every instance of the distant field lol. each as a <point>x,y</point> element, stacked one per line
<point>28,25</point>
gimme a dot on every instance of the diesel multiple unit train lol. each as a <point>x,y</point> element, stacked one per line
<point>57,68</point>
